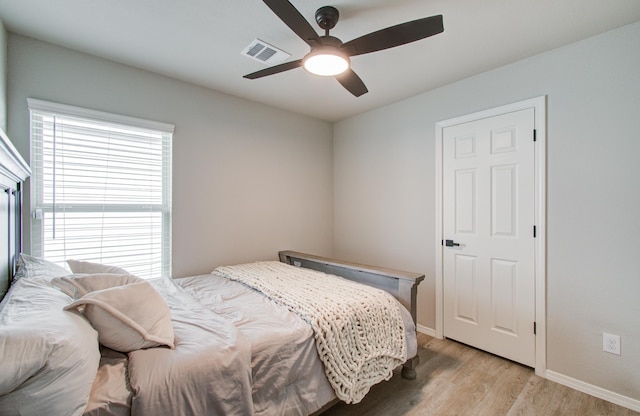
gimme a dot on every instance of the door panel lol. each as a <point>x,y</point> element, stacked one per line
<point>504,287</point>
<point>503,201</point>
<point>488,209</point>
<point>466,289</point>
<point>465,202</point>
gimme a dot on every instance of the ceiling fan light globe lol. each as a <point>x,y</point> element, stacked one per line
<point>326,64</point>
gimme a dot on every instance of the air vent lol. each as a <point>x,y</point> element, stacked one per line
<point>265,53</point>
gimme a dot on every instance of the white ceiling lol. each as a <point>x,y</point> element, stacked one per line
<point>200,41</point>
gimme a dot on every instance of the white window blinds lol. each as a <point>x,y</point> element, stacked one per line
<point>100,189</point>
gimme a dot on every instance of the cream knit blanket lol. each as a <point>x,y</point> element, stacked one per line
<point>358,329</point>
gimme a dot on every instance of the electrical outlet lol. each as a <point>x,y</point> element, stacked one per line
<point>611,343</point>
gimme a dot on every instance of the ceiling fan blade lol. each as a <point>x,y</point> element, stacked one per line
<point>352,82</point>
<point>274,69</point>
<point>395,36</point>
<point>292,18</point>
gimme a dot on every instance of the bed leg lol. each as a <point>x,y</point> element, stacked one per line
<point>409,368</point>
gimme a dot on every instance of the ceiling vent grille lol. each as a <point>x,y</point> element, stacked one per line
<point>265,53</point>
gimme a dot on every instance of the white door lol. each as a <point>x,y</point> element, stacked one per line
<point>488,228</point>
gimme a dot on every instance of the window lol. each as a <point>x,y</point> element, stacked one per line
<point>100,189</point>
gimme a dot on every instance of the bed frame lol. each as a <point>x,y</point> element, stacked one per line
<point>13,172</point>
<point>402,285</point>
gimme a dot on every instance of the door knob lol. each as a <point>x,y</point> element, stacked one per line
<point>451,243</point>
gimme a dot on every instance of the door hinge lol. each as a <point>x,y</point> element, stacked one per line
<point>534,231</point>
<point>534,328</point>
<point>535,135</point>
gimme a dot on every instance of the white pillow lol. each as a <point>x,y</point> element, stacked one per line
<point>76,286</point>
<point>30,267</point>
<point>48,357</point>
<point>129,317</point>
<point>87,267</point>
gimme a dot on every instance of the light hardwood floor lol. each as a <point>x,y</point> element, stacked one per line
<point>454,379</point>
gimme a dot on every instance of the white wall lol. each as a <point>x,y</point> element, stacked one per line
<point>248,180</point>
<point>3,77</point>
<point>384,211</point>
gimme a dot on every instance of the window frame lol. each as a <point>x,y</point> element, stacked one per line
<point>38,206</point>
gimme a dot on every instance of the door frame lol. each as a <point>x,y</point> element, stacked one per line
<point>539,106</point>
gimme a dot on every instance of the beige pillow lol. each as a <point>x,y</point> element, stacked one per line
<point>87,267</point>
<point>77,286</point>
<point>129,317</point>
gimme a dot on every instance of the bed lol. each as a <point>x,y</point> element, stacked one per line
<point>287,337</point>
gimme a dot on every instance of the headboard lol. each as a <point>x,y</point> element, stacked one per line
<point>13,172</point>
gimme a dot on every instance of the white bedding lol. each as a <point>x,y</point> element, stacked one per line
<point>272,351</point>
<point>288,378</point>
<point>236,353</point>
<point>359,333</point>
<point>208,372</point>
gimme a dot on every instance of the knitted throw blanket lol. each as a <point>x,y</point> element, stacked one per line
<point>358,329</point>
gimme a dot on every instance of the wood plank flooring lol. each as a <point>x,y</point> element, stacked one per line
<point>454,379</point>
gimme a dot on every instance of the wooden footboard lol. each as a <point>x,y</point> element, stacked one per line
<point>402,285</point>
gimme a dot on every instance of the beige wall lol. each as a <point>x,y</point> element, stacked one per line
<point>248,180</point>
<point>384,190</point>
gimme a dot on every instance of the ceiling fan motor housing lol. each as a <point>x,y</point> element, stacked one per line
<point>327,17</point>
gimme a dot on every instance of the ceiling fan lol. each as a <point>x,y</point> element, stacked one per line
<point>329,56</point>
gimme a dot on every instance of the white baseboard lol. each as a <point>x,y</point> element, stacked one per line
<point>595,391</point>
<point>426,330</point>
